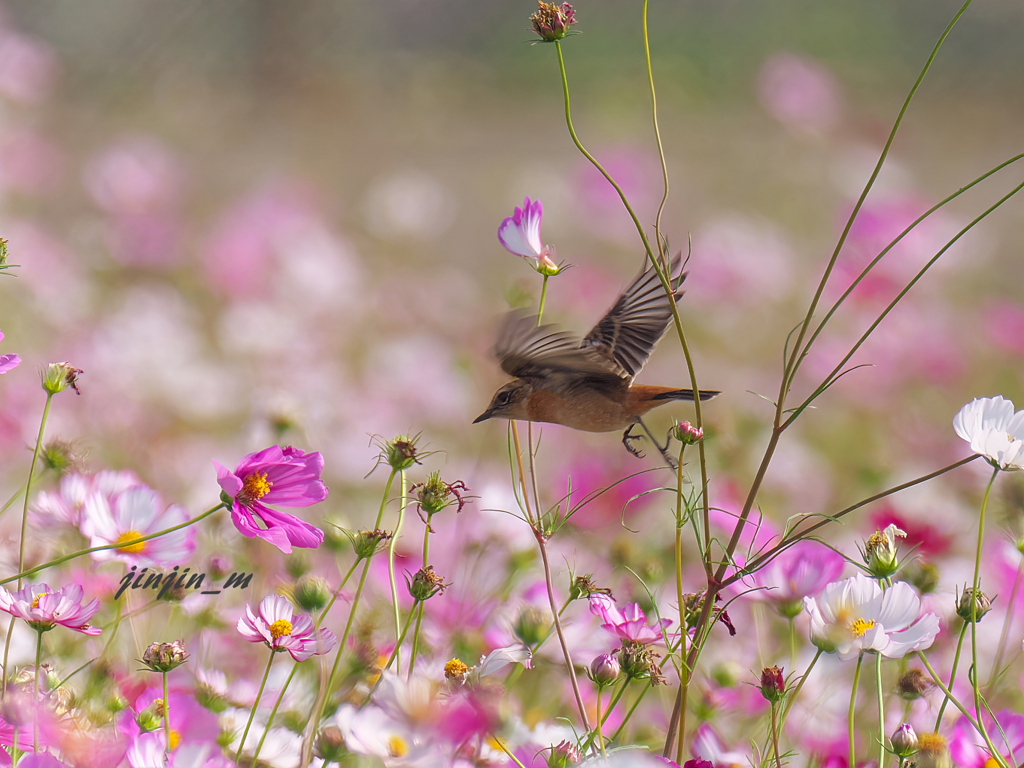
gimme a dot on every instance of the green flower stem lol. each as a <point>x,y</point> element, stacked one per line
<point>391,567</point>
<point>337,592</point>
<point>629,714</point>
<point>167,718</point>
<point>17,494</point>
<point>974,614</point>
<point>792,642</point>
<point>600,736</point>
<point>1007,622</point>
<point>775,733</point>
<point>273,713</point>
<point>422,606</point>
<point>317,710</point>
<point>543,298</point>
<point>942,687</point>
<point>39,662</point>
<point>36,569</point>
<point>881,711</point>
<point>853,706</point>
<point>952,674</point>
<point>252,714</point>
<point>401,639</point>
<point>505,749</point>
<point>657,131</point>
<point>607,713</point>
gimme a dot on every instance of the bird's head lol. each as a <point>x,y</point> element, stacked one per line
<point>509,402</point>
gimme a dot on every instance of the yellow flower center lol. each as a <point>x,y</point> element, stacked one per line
<point>37,598</point>
<point>397,746</point>
<point>455,668</point>
<point>280,628</point>
<point>256,486</point>
<point>174,739</point>
<point>931,743</point>
<point>860,626</point>
<point>131,549</point>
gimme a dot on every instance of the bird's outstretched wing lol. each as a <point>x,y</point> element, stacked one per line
<point>527,350</point>
<point>626,335</point>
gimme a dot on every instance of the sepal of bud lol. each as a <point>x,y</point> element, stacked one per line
<point>163,657</point>
<point>564,754</point>
<point>366,544</point>
<point>971,606</point>
<point>639,662</point>
<point>399,453</point>
<point>880,552</point>
<point>773,684</point>
<point>60,456</point>
<point>329,745</point>
<point>904,741</point>
<point>57,377</point>
<point>152,717</point>
<point>425,584</point>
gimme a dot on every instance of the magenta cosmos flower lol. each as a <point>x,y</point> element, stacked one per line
<point>282,629</point>
<point>286,476</point>
<point>10,362</point>
<point>520,234</point>
<point>630,624</point>
<point>44,607</point>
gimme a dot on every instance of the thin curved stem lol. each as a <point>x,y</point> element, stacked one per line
<point>273,713</point>
<point>629,714</point>
<point>252,713</point>
<point>974,614</point>
<point>391,565</point>
<point>600,736</point>
<point>796,691</point>
<point>952,674</point>
<point>881,711</point>
<point>853,707</point>
<point>167,718</point>
<point>657,131</point>
<point>543,298</point>
<point>35,700</point>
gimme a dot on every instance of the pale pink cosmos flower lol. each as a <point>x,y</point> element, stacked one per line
<point>969,750</point>
<point>8,362</point>
<point>135,512</point>
<point>803,570</point>
<point>28,67</point>
<point>64,507</point>
<point>630,624</point>
<point>520,234</point>
<point>282,629</point>
<point>707,746</point>
<point>855,615</point>
<point>44,607</point>
<point>286,476</point>
<point>799,93</point>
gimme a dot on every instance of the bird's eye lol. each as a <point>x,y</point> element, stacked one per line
<point>503,398</point>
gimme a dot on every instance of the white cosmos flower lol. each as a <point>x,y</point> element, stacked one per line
<point>992,428</point>
<point>855,615</point>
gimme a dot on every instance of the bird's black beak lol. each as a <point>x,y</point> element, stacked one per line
<point>482,417</point>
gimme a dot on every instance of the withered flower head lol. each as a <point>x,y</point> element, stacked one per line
<point>61,456</point>
<point>163,657</point>
<point>584,586</point>
<point>552,21</point>
<point>435,494</point>
<point>368,543</point>
<point>913,684</point>
<point>640,662</point>
<point>59,376</point>
<point>425,584</point>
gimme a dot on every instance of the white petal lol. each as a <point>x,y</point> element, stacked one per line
<point>918,637</point>
<point>900,607</point>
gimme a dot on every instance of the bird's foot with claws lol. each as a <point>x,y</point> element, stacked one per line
<point>627,440</point>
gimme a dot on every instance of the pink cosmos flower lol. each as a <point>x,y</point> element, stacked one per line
<point>799,93</point>
<point>520,234</point>
<point>803,570</point>
<point>65,505</point>
<point>286,476</point>
<point>8,362</point>
<point>707,747</point>
<point>281,629</point>
<point>135,512</point>
<point>44,607</point>
<point>630,624</point>
<point>969,749</point>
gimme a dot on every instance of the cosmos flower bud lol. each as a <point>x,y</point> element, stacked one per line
<point>604,669</point>
<point>639,662</point>
<point>564,754</point>
<point>368,543</point>
<point>932,752</point>
<point>163,657</point>
<point>329,745</point>
<point>552,21</point>
<point>312,593</point>
<point>971,606</point>
<point>60,456</point>
<point>913,685</point>
<point>773,684</point>
<point>687,434</point>
<point>880,552</point>
<point>532,625</point>
<point>904,740</point>
<point>924,576</point>
<point>59,376</point>
<point>425,584</point>
<point>152,717</point>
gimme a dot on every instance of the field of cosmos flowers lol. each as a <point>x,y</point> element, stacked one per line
<point>262,264</point>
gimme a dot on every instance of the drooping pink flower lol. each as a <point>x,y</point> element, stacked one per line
<point>8,362</point>
<point>137,511</point>
<point>630,624</point>
<point>282,629</point>
<point>286,476</point>
<point>520,234</point>
<point>44,607</point>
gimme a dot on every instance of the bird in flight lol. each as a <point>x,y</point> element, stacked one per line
<point>587,383</point>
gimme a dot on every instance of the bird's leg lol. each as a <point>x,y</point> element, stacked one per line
<point>627,440</point>
<point>663,450</point>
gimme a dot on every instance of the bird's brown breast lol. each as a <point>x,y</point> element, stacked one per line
<point>588,410</point>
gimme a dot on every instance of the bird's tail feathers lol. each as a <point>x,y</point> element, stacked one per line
<point>686,394</point>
